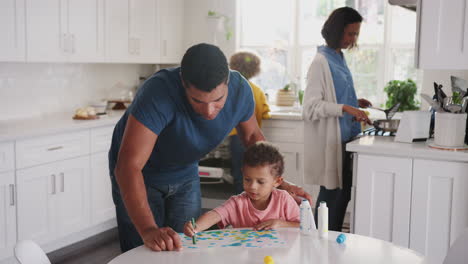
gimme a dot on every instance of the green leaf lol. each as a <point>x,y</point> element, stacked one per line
<point>402,92</point>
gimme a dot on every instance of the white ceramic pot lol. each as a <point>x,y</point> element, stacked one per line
<point>449,130</point>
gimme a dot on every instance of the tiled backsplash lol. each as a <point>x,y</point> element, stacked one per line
<point>34,89</point>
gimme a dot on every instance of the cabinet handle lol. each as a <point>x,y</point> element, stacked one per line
<point>73,43</point>
<point>137,46</point>
<point>62,175</point>
<point>12,194</point>
<point>55,148</point>
<point>54,190</point>
<point>130,45</point>
<point>297,160</point>
<point>64,43</point>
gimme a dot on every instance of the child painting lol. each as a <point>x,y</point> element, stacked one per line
<point>261,206</point>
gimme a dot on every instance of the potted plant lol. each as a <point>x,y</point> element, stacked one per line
<point>285,96</point>
<point>402,92</point>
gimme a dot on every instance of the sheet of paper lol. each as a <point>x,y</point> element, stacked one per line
<point>246,238</point>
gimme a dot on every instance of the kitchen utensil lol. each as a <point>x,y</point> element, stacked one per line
<point>389,113</point>
<point>440,95</point>
<point>459,85</point>
<point>464,104</point>
<point>414,126</point>
<point>387,125</point>
<point>450,106</point>
<point>432,103</point>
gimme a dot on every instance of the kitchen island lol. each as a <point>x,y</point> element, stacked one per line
<point>409,194</point>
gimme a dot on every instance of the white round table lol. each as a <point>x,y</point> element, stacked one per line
<point>299,249</point>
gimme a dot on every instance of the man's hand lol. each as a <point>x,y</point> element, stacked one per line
<point>270,224</point>
<point>296,192</point>
<point>161,239</point>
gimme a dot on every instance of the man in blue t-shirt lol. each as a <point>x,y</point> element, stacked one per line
<point>176,118</point>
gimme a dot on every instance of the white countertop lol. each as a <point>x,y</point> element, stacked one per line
<point>62,122</point>
<point>286,112</point>
<point>50,124</point>
<point>387,146</point>
<point>286,115</point>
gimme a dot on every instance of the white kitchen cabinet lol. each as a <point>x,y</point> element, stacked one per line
<point>53,199</point>
<point>439,208</point>
<point>132,31</point>
<point>443,34</point>
<point>102,206</point>
<point>293,166</point>
<point>7,213</point>
<point>65,30</point>
<point>171,30</point>
<point>12,30</point>
<point>288,136</point>
<point>383,198</point>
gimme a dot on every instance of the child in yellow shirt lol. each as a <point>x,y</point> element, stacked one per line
<point>248,64</point>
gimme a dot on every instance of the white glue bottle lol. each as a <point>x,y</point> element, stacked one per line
<point>323,220</point>
<point>307,219</point>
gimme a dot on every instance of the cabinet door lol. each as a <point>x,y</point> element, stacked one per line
<point>117,40</point>
<point>12,30</point>
<point>37,190</point>
<point>443,34</point>
<point>439,206</point>
<point>293,166</point>
<point>102,205</point>
<point>144,31</point>
<point>86,30</point>
<point>171,28</point>
<point>7,214</point>
<point>46,30</point>
<point>383,198</point>
<point>133,34</point>
<point>73,195</point>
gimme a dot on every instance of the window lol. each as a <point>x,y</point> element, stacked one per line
<point>286,33</point>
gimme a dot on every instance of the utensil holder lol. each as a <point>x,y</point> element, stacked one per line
<point>449,130</point>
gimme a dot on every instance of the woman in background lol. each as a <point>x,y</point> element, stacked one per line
<point>248,64</point>
<point>331,115</point>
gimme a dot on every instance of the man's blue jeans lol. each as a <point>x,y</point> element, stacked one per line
<point>172,205</point>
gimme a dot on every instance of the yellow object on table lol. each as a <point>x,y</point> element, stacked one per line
<point>268,260</point>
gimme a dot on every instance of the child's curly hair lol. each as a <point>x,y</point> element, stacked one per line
<point>263,153</point>
<point>247,63</point>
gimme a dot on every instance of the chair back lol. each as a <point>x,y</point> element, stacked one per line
<point>458,252</point>
<point>28,252</point>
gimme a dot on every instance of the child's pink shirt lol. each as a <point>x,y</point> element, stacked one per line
<point>238,211</point>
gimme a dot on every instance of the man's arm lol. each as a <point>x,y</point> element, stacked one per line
<point>249,131</point>
<point>137,144</point>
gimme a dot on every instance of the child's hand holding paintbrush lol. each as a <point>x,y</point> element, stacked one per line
<point>190,231</point>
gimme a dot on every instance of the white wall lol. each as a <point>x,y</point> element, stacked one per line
<point>199,28</point>
<point>34,89</point>
<point>440,77</point>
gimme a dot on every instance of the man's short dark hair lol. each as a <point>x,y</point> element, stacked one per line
<point>265,154</point>
<point>204,66</point>
<point>333,28</point>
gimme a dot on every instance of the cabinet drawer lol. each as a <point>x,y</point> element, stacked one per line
<point>101,138</point>
<point>38,150</point>
<point>7,156</point>
<point>284,130</point>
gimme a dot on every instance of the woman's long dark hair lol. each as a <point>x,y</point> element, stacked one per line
<point>333,28</point>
